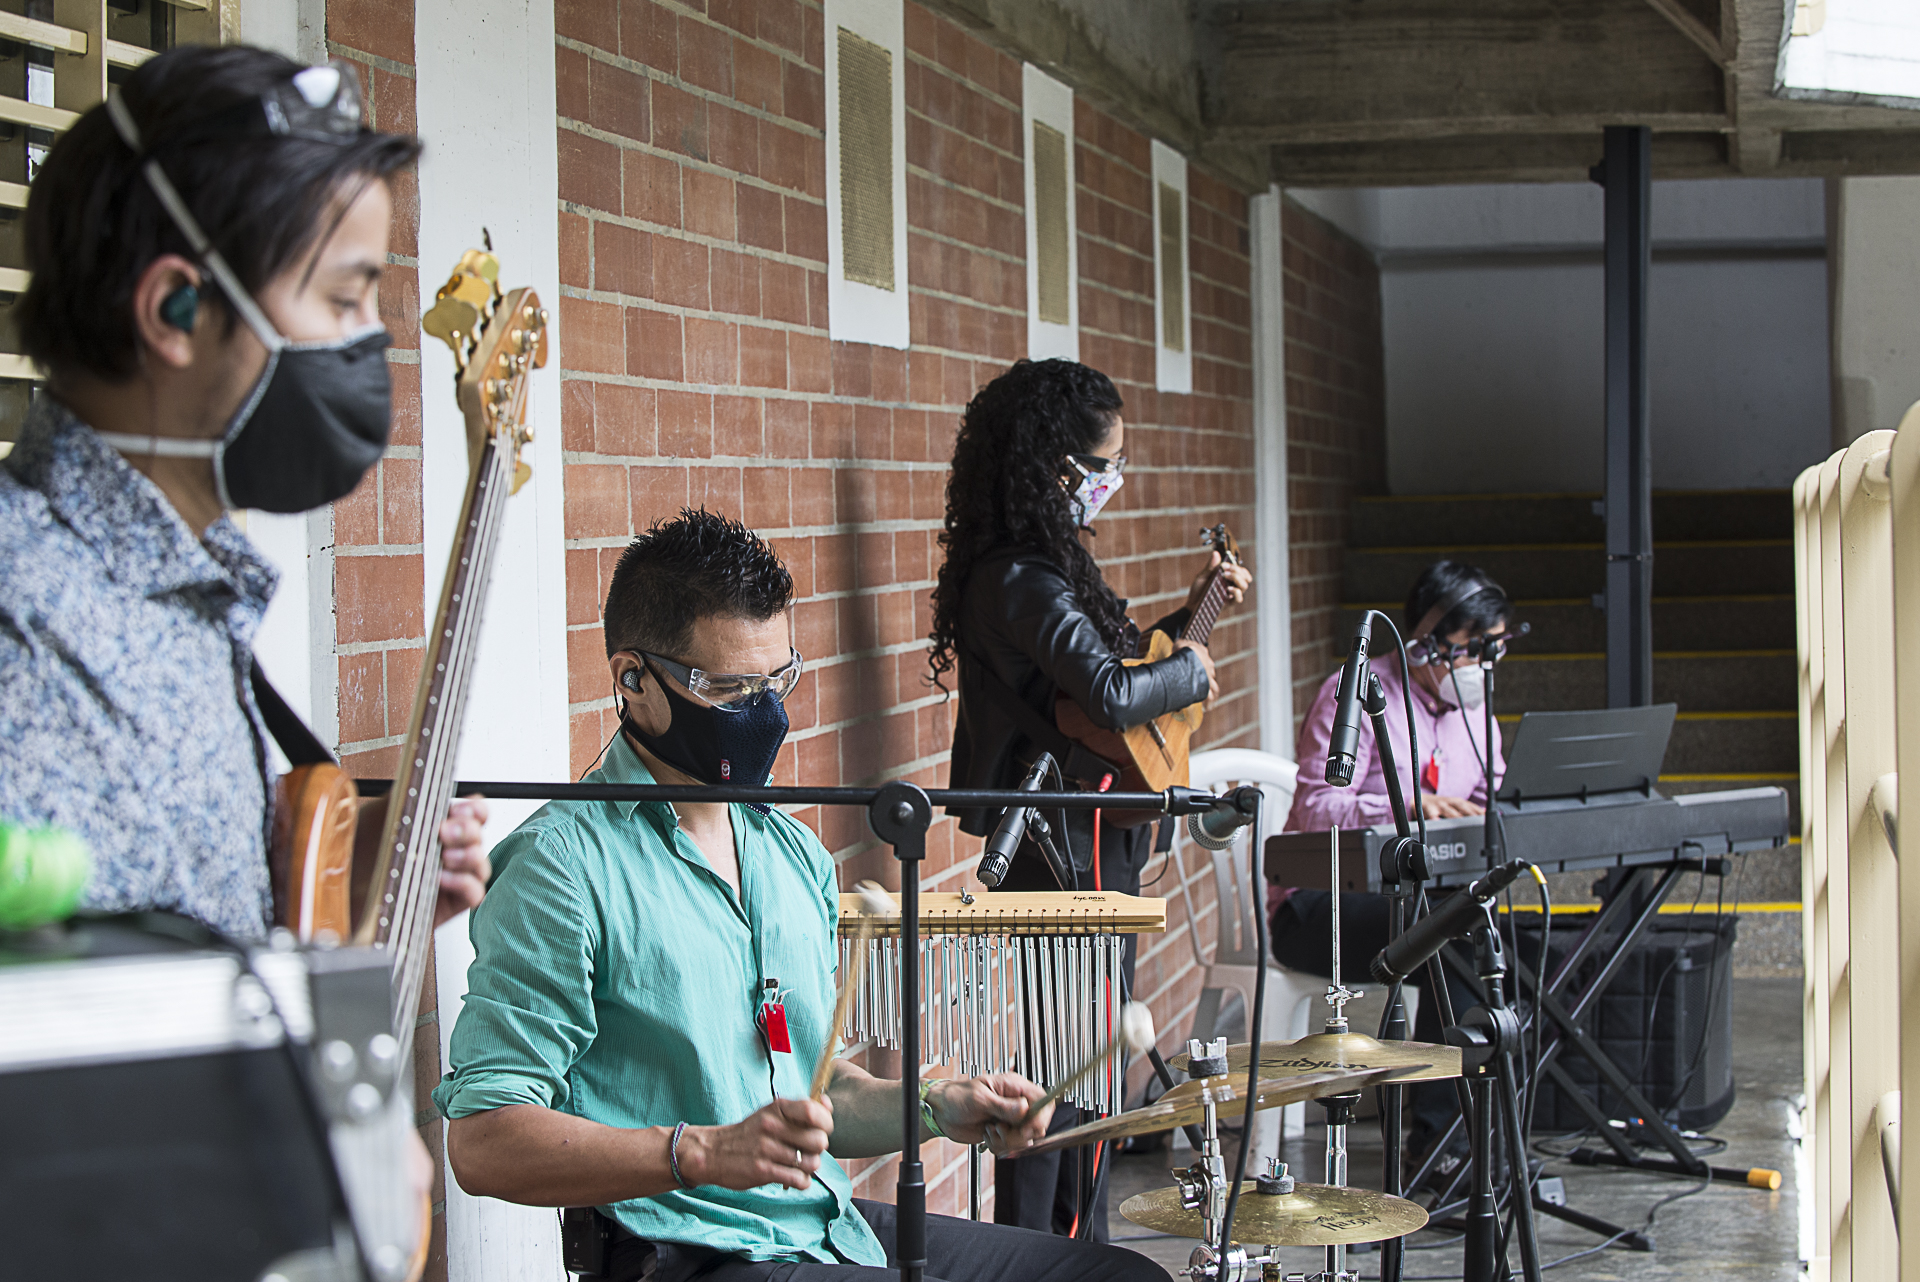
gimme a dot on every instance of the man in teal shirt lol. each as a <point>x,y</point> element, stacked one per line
<point>615,1048</point>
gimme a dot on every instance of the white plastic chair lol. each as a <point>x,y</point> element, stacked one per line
<point>1290,994</point>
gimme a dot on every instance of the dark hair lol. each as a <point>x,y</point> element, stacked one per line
<point>1477,613</point>
<point>1005,489</point>
<point>697,565</point>
<point>93,224</point>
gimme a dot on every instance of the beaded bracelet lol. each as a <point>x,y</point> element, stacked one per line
<point>926,1108</point>
<point>673,1156</point>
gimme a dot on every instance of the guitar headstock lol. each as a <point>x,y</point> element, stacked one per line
<point>497,340</point>
<point>1218,538</point>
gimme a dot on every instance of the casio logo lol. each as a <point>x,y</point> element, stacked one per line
<point>1446,852</point>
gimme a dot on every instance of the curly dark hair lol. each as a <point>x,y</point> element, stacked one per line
<point>1005,491</point>
<point>697,565</point>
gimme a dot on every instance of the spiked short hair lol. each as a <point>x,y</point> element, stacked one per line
<point>696,565</point>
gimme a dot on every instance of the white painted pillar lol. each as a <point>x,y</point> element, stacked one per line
<point>1873,261</point>
<point>485,106</point>
<point>1272,576</point>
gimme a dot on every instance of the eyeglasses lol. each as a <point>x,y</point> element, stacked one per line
<point>1487,648</point>
<point>731,691</point>
<point>320,103</point>
<point>1094,464</point>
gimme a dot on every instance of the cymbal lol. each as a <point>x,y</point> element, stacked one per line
<point>1325,1051</point>
<point>1311,1215</point>
<point>1186,1104</point>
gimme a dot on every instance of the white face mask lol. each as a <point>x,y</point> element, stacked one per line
<point>1094,489</point>
<point>1469,686</point>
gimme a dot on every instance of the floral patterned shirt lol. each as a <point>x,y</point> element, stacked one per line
<point>126,714</point>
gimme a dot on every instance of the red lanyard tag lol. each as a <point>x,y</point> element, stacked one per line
<point>773,1021</point>
<point>1430,777</point>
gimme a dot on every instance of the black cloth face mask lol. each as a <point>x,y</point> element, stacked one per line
<point>713,746</point>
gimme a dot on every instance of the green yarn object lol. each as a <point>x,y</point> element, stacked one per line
<point>42,874</point>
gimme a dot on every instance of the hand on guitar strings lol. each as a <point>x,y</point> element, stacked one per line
<point>1206,661</point>
<point>1239,578</point>
<point>991,1108</point>
<point>464,867</point>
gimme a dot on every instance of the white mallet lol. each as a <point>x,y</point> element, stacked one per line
<point>1135,1033</point>
<point>874,904</point>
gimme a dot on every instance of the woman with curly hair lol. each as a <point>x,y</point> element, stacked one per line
<point>1021,617</point>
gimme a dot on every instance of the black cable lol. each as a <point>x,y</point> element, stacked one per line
<point>1713,986</point>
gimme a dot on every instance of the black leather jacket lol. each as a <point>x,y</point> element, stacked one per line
<point>1019,617</point>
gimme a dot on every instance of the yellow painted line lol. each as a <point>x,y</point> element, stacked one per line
<point>1511,718</point>
<point>1570,496</point>
<point>1522,603</point>
<point>1680,910</point>
<point>1450,548</point>
<point>1755,776</point>
<point>1591,655</point>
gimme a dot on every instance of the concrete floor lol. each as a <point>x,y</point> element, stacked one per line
<point>1727,1231</point>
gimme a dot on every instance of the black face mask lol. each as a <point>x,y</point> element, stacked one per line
<point>317,420</point>
<point>718,747</point>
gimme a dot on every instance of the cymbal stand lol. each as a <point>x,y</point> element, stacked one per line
<point>1339,1107</point>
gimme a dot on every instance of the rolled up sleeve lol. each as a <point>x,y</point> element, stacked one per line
<point>528,1014</point>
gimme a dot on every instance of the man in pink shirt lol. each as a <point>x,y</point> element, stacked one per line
<point>1452,608</point>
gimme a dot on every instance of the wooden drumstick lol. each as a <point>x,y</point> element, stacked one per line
<point>1135,1033</point>
<point>874,904</point>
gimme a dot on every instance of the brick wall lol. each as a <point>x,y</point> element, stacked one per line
<point>698,370</point>
<point>1336,424</point>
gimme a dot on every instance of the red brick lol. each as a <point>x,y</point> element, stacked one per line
<point>685,424</point>
<point>707,200</point>
<point>757,217</point>
<point>783,292</point>
<point>717,489</point>
<point>622,260</point>
<point>787,429</point>
<point>356,518</point>
<point>584,742</point>
<point>782,157</point>
<point>623,420</point>
<point>806,228</point>
<point>756,77</point>
<point>593,336</point>
<point>781,22</point>
<point>392,101</point>
<point>403,684</point>
<point>736,426</point>
<point>713,351</point>
<point>803,91</point>
<point>763,357</point>
<point>378,27</point>
<point>649,34</point>
<point>400,519</point>
<point>809,363</point>
<point>652,186</point>
<point>658,493</point>
<point>362,698</point>
<point>571,96</point>
<point>589,171</point>
<point>680,272</point>
<point>679,122</point>
<point>812,496</point>
<point>832,431</point>
<point>653,344</point>
<point>590,21</point>
<point>735,282</point>
<point>596,500</point>
<point>764,497</point>
<point>872,432</point>
<point>617,100</point>
<point>583,585</point>
<point>735,139</point>
<point>576,257</point>
<point>706,56</point>
<point>576,415</point>
<point>400,305</point>
<point>379,598</point>
<point>587,675</point>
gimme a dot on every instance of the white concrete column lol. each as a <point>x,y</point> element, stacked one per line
<point>1272,575</point>
<point>1873,264</point>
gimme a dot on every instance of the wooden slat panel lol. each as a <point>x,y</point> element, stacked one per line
<point>14,365</point>
<point>14,280</point>
<point>21,112</point>
<point>122,54</point>
<point>13,195</point>
<point>198,6</point>
<point>33,31</point>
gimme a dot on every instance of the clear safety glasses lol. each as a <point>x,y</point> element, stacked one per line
<point>731,691</point>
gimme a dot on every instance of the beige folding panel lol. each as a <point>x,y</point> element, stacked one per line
<point>1816,1113</point>
<point>1905,475</point>
<point>1873,892</point>
<point>1836,1109</point>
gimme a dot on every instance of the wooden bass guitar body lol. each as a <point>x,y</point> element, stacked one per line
<point>316,816</point>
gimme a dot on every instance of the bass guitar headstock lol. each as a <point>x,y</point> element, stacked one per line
<point>498,339</point>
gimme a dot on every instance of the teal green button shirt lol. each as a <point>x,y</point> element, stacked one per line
<point>618,978</point>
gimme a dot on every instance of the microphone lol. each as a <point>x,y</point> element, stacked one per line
<point>1346,709</point>
<point>1013,826</point>
<point>1452,917</point>
<point>1231,811</point>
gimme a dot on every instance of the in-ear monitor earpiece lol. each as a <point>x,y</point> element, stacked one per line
<point>180,308</point>
<point>631,680</point>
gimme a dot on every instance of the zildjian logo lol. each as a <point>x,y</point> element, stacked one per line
<point>1316,1063</point>
<point>1340,1223</point>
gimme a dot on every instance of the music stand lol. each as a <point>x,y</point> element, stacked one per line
<point>1580,756</point>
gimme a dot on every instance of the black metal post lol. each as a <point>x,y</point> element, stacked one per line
<point>1627,176</point>
<point>900,816</point>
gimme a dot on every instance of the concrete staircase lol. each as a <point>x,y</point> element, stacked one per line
<point>1723,636</point>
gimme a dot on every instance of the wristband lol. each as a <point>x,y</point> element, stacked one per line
<point>926,1108</point>
<point>673,1156</point>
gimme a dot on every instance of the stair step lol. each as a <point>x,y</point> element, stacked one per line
<point>1699,681</point>
<point>1731,744</point>
<point>1567,518</point>
<point>1679,623</point>
<point>1572,570</point>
